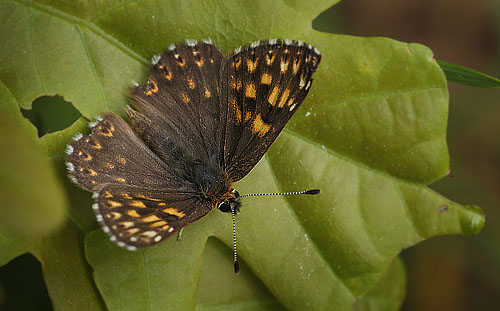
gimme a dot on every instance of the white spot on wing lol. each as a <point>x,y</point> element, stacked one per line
<point>70,166</point>
<point>121,244</point>
<point>112,238</point>
<point>77,137</point>
<point>171,229</point>
<point>95,195</point>
<point>99,118</point>
<point>99,218</point>
<point>316,51</point>
<point>95,206</point>
<point>300,43</point>
<point>273,41</point>
<point>171,47</point>
<point>207,41</point>
<point>237,50</point>
<point>157,238</point>
<point>73,179</point>
<point>105,229</point>
<point>254,44</point>
<point>134,83</point>
<point>131,248</point>
<point>69,149</point>
<point>155,59</point>
<point>133,238</point>
<point>92,124</point>
<point>288,41</point>
<point>191,42</point>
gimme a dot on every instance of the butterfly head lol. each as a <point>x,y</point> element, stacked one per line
<point>230,201</point>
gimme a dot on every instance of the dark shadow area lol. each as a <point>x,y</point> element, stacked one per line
<point>330,20</point>
<point>50,114</point>
<point>22,285</point>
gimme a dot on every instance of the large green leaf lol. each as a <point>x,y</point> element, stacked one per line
<point>32,200</point>
<point>371,135</point>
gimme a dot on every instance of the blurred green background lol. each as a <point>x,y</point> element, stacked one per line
<point>446,273</point>
<point>452,272</point>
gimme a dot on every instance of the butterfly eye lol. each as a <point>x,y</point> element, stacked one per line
<point>224,207</point>
<point>236,193</point>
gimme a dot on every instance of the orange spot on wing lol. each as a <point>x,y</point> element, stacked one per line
<point>266,79</point>
<point>153,89</point>
<point>252,65</point>
<point>274,96</point>
<point>283,66</point>
<point>270,60</point>
<point>174,212</point>
<point>284,98</point>
<point>200,62</point>
<point>133,213</point>
<point>114,204</point>
<point>159,224</point>
<point>237,110</point>
<point>106,194</point>
<point>151,218</point>
<point>237,62</point>
<point>138,204</point>
<point>296,66</point>
<point>259,127</point>
<point>185,98</point>
<point>250,90</point>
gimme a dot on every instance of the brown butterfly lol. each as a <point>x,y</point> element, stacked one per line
<point>200,123</point>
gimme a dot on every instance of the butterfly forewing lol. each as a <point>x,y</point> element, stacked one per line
<point>137,217</point>
<point>263,85</point>
<point>181,97</point>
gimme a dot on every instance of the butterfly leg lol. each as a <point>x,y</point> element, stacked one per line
<point>179,234</point>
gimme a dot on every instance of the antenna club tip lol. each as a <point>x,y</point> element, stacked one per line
<point>313,191</point>
<point>236,268</point>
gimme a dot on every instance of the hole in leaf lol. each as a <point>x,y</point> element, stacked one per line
<point>22,278</point>
<point>50,114</point>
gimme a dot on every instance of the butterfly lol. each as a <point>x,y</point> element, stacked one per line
<point>200,123</point>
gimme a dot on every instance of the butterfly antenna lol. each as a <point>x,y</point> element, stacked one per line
<point>312,191</point>
<point>236,265</point>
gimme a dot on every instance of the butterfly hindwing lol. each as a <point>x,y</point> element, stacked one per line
<point>263,85</point>
<point>112,153</point>
<point>136,217</point>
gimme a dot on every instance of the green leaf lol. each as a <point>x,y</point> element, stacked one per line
<point>32,200</point>
<point>468,76</point>
<point>371,135</point>
<point>388,293</point>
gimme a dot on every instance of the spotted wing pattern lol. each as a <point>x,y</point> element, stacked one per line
<point>112,153</point>
<point>263,85</point>
<point>180,101</point>
<point>136,217</point>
